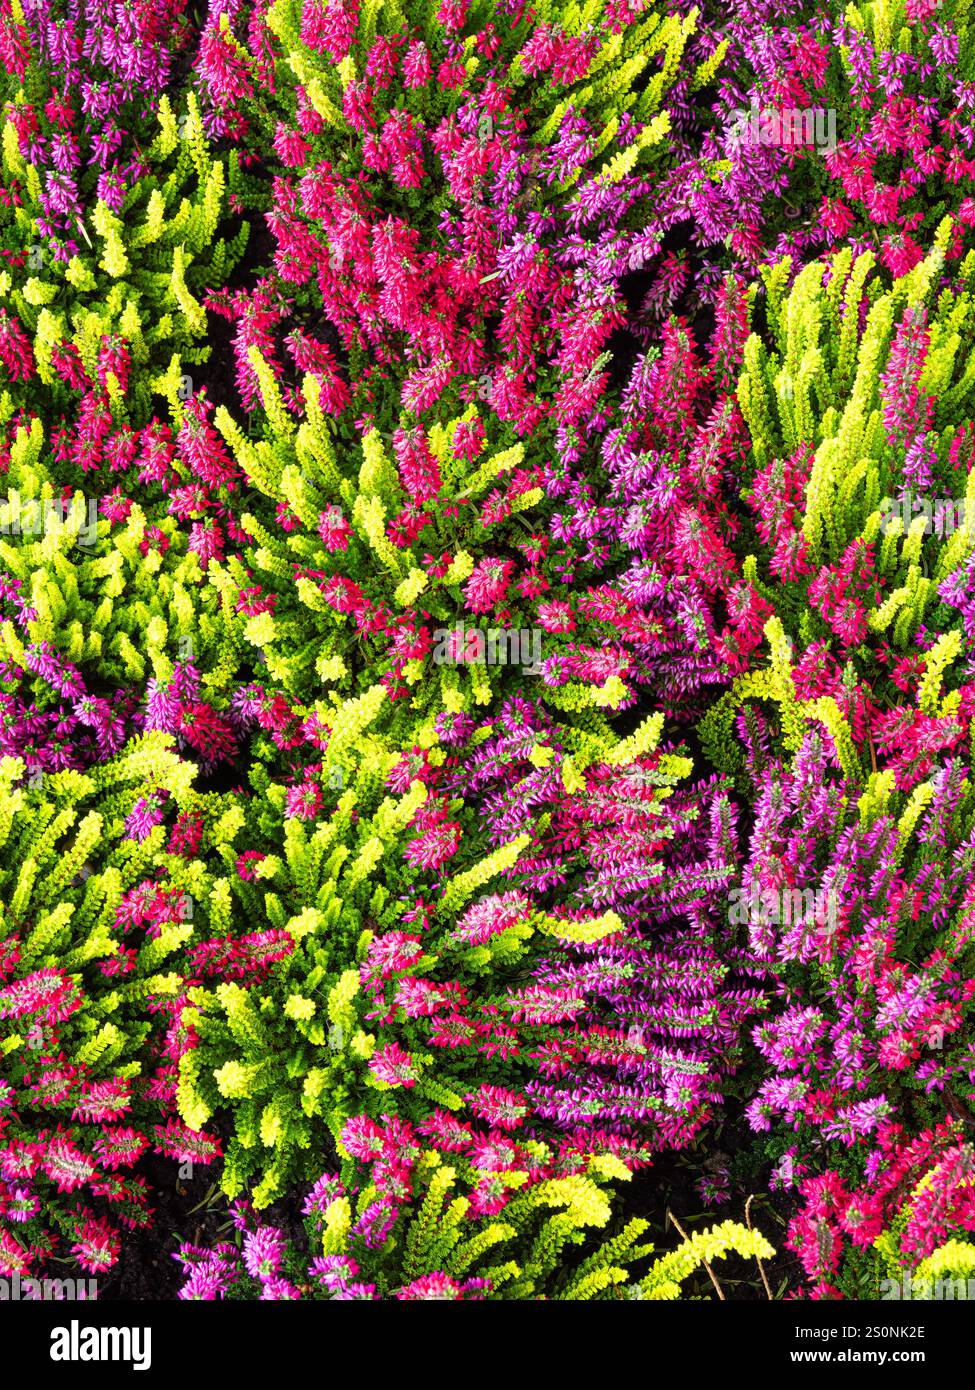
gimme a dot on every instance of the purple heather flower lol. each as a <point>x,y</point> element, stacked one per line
<point>147,813</point>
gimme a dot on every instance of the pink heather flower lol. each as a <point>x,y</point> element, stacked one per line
<point>15,349</point>
<point>410,767</point>
<point>376,1222</point>
<point>286,518</point>
<point>490,917</point>
<point>14,1259</point>
<point>416,65</point>
<point>207,541</point>
<point>204,730</point>
<point>186,835</point>
<point>120,1147</point>
<point>488,585</point>
<point>201,449</point>
<point>48,992</point>
<point>66,1165</point>
<point>836,217</point>
<point>115,507</point>
<point>490,1196</point>
<point>114,357</point>
<point>494,1154</point>
<point>177,1141</point>
<point>290,147</point>
<point>555,616</point>
<point>900,254</point>
<point>222,69</point>
<point>418,469</point>
<point>363,1138</point>
<point>207,1282</point>
<point>322,1194</point>
<point>334,529</point>
<point>97,1246</point>
<point>447,1132</point>
<point>21,1205</point>
<point>263,1252</point>
<point>439,1287</point>
<point>345,1293</point>
<point>329,26</point>
<point>394,1066</point>
<point>275,1289</point>
<point>451,75</point>
<point>304,802</point>
<point>863,1219</point>
<point>389,953</point>
<point>468,440</point>
<point>331,1271</point>
<point>247,863</point>
<point>434,847</point>
<point>147,813</point>
<point>103,1100</point>
<point>499,1106</point>
<point>252,601</point>
<point>20,1160</point>
<point>418,998</point>
<point>344,596</point>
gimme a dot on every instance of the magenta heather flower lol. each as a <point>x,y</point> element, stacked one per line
<point>393,1066</point>
<point>490,917</point>
<point>488,584</point>
<point>97,1246</point>
<point>440,1287</point>
<point>263,1250</point>
<point>147,813</point>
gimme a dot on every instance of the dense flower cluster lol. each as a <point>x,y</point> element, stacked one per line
<point>487,605</point>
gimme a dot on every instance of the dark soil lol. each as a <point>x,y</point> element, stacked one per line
<point>668,1190</point>
<point>189,1209</point>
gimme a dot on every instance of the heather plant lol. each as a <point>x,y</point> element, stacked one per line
<point>475,1227</point>
<point>856,409</point>
<point>503,985</point>
<point>386,1001</point>
<point>101,319</point>
<point>406,573</point>
<point>648,1018</point>
<point>831,127</point>
<point>409,557</point>
<point>463,188</point>
<point>77,972</point>
<point>898,76</point>
<point>109,626</point>
<point>646,542</point>
<point>857,900</point>
<point>521,697</point>
<point>86,77</point>
<point>383,566</point>
<point>902,1232</point>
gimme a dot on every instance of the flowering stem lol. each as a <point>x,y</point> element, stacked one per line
<point>761,1267</point>
<point>683,1234</point>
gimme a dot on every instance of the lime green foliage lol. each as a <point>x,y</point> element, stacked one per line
<point>139,274</point>
<point>528,1248</point>
<point>119,608</point>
